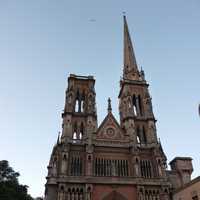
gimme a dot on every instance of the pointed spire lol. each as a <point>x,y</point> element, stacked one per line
<point>130,64</point>
<point>109,106</point>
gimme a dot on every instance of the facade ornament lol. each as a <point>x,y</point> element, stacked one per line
<point>136,167</point>
<point>54,167</point>
<point>109,106</point>
<point>61,194</point>
<point>64,164</point>
<point>149,106</point>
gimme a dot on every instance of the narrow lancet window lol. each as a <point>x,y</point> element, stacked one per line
<point>134,105</point>
<point>140,104</point>
<point>77,106</point>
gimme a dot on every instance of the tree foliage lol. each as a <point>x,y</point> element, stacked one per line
<point>10,189</point>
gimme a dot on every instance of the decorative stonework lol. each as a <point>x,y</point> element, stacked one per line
<point>110,130</point>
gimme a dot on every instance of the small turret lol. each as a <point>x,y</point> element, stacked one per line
<point>109,106</point>
<point>183,168</point>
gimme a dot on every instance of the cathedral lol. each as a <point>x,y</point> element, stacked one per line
<point>113,160</point>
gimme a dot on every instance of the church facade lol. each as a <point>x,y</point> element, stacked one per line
<point>115,160</point>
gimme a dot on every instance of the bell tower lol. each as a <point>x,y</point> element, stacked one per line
<point>138,121</point>
<point>135,105</point>
<point>79,116</point>
<point>74,147</point>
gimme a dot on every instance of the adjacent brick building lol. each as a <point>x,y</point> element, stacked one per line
<point>191,190</point>
<point>114,160</point>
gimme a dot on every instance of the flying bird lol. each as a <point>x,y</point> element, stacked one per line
<point>199,109</point>
<point>92,20</point>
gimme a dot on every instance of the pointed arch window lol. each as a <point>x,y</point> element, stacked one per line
<point>81,131</point>
<point>75,134</point>
<point>134,105</point>
<point>77,102</point>
<point>144,134</point>
<point>77,105</point>
<point>140,104</point>
<point>82,106</point>
<point>138,135</point>
<point>82,102</point>
<point>138,140</point>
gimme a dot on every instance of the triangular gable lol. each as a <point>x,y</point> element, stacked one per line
<point>110,129</point>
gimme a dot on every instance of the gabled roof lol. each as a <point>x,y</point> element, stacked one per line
<point>110,129</point>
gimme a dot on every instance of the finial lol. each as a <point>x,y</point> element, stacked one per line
<point>142,73</point>
<point>58,140</point>
<point>124,13</point>
<point>109,105</point>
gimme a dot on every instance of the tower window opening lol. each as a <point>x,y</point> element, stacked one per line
<point>134,105</point>
<point>74,136</point>
<point>82,106</point>
<point>129,102</point>
<point>138,140</point>
<point>81,131</point>
<point>144,135</point>
<point>134,110</point>
<point>77,106</point>
<point>138,135</point>
<point>82,102</point>
<point>140,104</point>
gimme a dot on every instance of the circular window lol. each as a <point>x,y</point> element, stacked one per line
<point>110,132</point>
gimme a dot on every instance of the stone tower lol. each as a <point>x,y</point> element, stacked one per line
<point>121,161</point>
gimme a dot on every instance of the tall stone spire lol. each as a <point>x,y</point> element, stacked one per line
<point>130,65</point>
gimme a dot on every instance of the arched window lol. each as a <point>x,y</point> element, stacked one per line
<point>82,106</point>
<point>74,136</point>
<point>140,104</point>
<point>81,131</point>
<point>129,102</point>
<point>138,139</point>
<point>82,102</point>
<point>77,105</point>
<point>138,135</point>
<point>134,105</point>
<point>77,102</point>
<point>144,135</point>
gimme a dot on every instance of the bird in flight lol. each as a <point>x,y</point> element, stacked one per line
<point>92,20</point>
<point>199,109</point>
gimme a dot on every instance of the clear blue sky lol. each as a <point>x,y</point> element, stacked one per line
<point>42,42</point>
